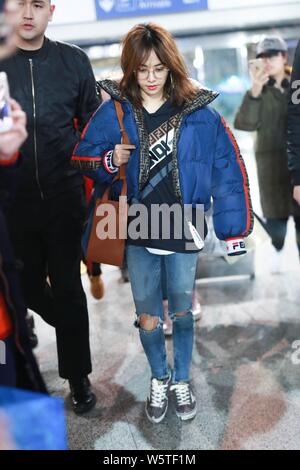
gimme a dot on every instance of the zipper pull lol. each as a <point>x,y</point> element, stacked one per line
<point>196,237</point>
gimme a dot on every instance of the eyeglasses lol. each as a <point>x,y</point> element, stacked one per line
<point>158,72</point>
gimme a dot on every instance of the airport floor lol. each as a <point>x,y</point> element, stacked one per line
<point>245,369</point>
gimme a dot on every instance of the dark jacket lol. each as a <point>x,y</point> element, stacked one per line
<point>28,375</point>
<point>294,122</point>
<point>267,115</point>
<point>206,159</point>
<point>54,87</point>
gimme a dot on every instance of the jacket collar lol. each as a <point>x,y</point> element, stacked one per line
<point>40,54</point>
<point>203,97</point>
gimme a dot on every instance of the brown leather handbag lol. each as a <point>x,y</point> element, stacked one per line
<point>108,246</point>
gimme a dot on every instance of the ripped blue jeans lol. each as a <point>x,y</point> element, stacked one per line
<point>146,284</point>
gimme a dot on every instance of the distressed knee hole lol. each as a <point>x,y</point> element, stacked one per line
<point>182,314</point>
<point>148,322</point>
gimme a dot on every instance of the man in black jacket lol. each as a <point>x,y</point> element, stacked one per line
<point>55,85</point>
<point>294,127</point>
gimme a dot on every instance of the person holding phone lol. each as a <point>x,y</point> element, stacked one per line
<point>264,110</point>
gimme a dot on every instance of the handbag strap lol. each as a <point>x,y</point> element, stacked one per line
<point>124,136</point>
<point>124,140</point>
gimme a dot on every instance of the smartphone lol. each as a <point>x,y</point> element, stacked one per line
<point>256,65</point>
<point>6,121</point>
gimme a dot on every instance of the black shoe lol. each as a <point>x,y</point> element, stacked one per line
<point>82,397</point>
<point>33,339</point>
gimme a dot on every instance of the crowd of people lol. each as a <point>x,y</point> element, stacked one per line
<point>63,132</point>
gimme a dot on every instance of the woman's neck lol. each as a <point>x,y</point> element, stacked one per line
<point>152,104</point>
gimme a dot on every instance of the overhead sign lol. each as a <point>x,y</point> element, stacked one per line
<point>232,4</point>
<point>108,9</point>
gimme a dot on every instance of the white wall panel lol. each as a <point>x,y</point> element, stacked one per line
<point>184,23</point>
<point>74,11</point>
<point>229,4</point>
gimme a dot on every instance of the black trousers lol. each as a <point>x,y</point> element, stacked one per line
<point>277,229</point>
<point>46,236</point>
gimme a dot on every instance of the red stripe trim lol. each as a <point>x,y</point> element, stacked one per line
<point>233,238</point>
<point>246,192</point>
<point>88,186</point>
<point>92,159</point>
<point>75,148</point>
<point>11,160</point>
<point>5,321</point>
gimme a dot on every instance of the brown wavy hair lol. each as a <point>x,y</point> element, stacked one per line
<point>137,45</point>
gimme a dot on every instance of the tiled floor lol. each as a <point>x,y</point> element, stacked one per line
<point>246,381</point>
<point>245,369</point>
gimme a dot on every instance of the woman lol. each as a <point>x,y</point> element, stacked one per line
<point>264,109</point>
<point>181,153</point>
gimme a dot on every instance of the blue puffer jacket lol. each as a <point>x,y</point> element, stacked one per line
<point>206,159</point>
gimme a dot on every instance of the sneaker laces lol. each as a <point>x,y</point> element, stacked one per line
<point>183,394</point>
<point>158,393</point>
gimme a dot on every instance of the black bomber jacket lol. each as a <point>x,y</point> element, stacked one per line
<point>56,88</point>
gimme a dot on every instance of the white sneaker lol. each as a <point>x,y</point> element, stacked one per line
<point>184,400</point>
<point>276,262</point>
<point>157,402</point>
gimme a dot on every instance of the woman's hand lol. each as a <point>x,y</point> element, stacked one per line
<point>121,154</point>
<point>11,141</point>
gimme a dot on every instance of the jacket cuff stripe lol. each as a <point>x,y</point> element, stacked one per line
<point>107,163</point>
<point>233,238</point>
